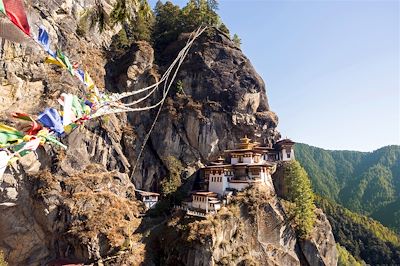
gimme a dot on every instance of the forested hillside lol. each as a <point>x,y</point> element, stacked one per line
<point>364,182</point>
<point>363,237</point>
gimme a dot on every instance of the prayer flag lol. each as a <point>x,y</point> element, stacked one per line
<point>66,61</point>
<point>9,136</point>
<point>54,61</point>
<point>88,81</point>
<point>33,127</point>
<point>52,120</point>
<point>16,13</point>
<point>2,7</point>
<point>43,38</point>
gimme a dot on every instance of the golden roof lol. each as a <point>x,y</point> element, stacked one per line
<point>245,143</point>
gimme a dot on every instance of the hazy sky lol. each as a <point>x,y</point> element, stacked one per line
<point>332,68</point>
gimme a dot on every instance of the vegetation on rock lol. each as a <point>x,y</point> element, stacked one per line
<point>301,195</point>
<point>171,20</point>
<point>365,182</point>
<point>140,29</point>
<point>2,259</point>
<point>345,258</point>
<point>98,207</point>
<point>171,184</point>
<point>237,40</point>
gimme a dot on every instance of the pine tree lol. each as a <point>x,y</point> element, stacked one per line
<point>168,24</point>
<point>141,28</point>
<point>237,40</point>
<point>300,193</point>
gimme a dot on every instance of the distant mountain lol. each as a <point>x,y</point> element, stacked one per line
<point>364,182</point>
<point>363,237</point>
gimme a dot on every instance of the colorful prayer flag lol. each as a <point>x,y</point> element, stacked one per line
<point>54,61</point>
<point>51,119</point>
<point>43,38</point>
<point>16,13</point>
<point>2,7</point>
<point>32,128</point>
<point>63,58</point>
<point>88,81</point>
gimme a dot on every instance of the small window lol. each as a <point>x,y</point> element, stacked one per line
<point>288,155</point>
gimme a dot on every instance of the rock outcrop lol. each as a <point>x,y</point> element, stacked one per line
<point>222,99</point>
<point>253,230</point>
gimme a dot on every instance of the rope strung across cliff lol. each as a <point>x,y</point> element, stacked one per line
<point>167,85</point>
<point>189,44</point>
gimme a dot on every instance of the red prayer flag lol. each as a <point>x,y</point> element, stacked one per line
<point>16,13</point>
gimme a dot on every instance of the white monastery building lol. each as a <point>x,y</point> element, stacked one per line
<point>245,165</point>
<point>149,199</point>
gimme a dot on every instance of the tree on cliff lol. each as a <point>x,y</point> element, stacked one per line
<point>167,25</point>
<point>200,12</point>
<point>301,195</point>
<point>127,12</point>
<point>237,40</point>
<point>171,20</point>
<point>173,181</point>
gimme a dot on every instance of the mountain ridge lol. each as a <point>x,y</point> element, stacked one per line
<point>364,182</point>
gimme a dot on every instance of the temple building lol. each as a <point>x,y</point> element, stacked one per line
<point>247,164</point>
<point>149,199</point>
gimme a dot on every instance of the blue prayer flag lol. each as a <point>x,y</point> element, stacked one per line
<point>44,38</point>
<point>51,119</point>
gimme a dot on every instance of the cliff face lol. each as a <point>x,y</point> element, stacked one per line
<point>223,99</point>
<point>79,203</point>
<point>252,230</point>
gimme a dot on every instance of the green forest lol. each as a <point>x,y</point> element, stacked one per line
<point>364,182</point>
<point>363,237</point>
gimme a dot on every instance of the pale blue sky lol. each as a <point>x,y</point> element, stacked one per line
<point>332,68</point>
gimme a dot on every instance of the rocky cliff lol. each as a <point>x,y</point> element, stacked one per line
<point>253,230</point>
<point>79,204</point>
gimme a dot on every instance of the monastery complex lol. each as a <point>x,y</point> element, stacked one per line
<point>247,164</point>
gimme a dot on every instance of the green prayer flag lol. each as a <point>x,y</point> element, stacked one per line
<point>2,9</point>
<point>77,107</point>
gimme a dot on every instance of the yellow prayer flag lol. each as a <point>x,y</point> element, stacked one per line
<point>51,60</point>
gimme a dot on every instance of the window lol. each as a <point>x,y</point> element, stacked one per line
<point>288,154</point>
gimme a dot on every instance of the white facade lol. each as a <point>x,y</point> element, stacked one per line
<point>150,201</point>
<point>199,202</point>
<point>248,158</point>
<point>204,202</point>
<point>234,160</point>
<point>214,206</point>
<point>286,155</point>
<point>218,183</point>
